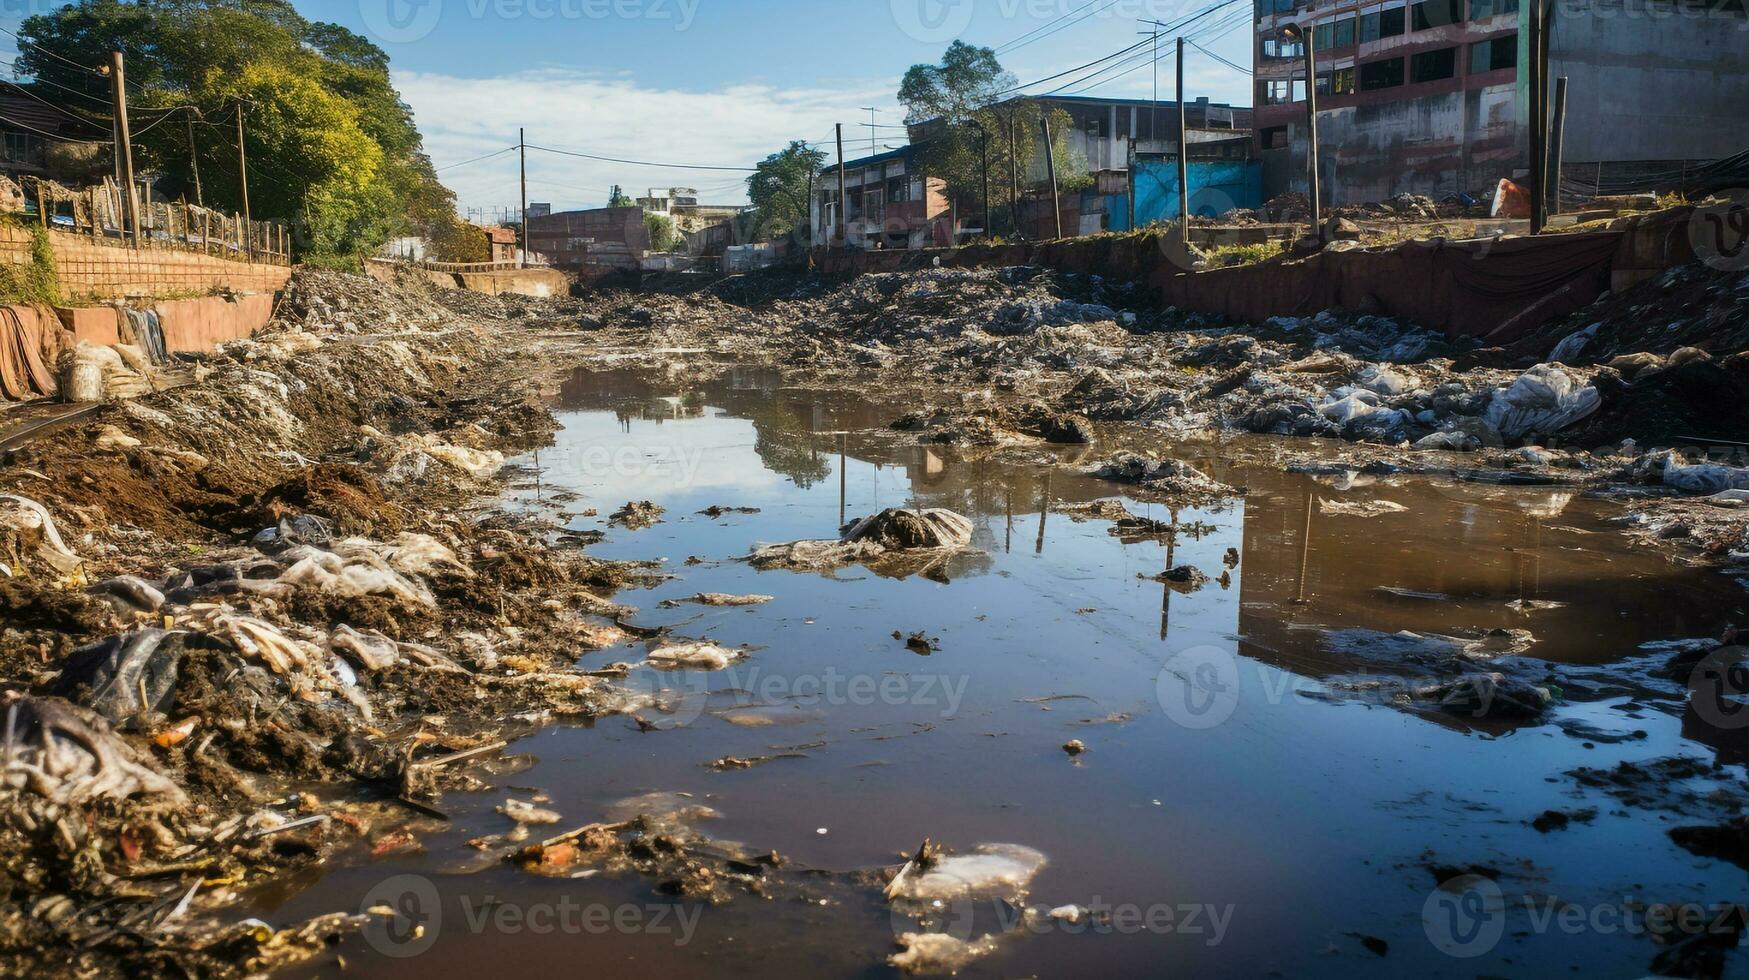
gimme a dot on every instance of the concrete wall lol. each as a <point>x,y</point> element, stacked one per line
<point>1652,80</point>
<point>104,271</point>
<point>190,325</point>
<point>1498,290</point>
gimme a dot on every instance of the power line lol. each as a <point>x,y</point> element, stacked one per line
<point>33,44</point>
<point>52,136</point>
<point>464,163</point>
<point>638,163</point>
<point>1211,54</point>
<point>27,93</point>
<point>38,80</point>
<point>1028,39</point>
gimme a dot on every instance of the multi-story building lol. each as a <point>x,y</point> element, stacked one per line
<point>890,203</point>
<point>1429,97</point>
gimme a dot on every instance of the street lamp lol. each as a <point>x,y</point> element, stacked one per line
<point>1294,32</point>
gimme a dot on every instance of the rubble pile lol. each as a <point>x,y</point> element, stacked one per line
<point>260,581</point>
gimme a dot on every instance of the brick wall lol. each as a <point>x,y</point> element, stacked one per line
<point>104,270</point>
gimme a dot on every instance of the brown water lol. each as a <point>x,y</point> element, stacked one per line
<point>1218,785</point>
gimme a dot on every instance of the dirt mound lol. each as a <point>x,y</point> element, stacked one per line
<point>348,497</point>
<point>1692,403</point>
<point>28,605</point>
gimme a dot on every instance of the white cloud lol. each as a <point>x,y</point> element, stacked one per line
<point>611,115</point>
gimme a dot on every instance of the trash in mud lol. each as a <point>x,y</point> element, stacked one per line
<point>896,543</point>
<point>694,656</point>
<point>1164,477</point>
<point>637,515</point>
<point>719,599</point>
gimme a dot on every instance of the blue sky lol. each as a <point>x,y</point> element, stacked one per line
<point>718,82</point>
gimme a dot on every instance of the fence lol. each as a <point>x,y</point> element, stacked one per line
<point>98,213</point>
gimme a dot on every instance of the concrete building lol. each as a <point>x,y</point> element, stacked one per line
<point>1428,97</point>
<point>682,204</point>
<point>891,204</point>
<point>1104,129</point>
<point>592,240</point>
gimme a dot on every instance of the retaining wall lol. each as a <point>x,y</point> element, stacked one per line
<point>101,270</point>
<point>1498,290</point>
<point>538,282</point>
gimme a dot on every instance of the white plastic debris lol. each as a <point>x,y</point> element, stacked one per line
<point>1707,478</point>
<point>696,656</point>
<point>1543,400</point>
<point>31,522</point>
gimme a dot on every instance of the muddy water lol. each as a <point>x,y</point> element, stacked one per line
<point>1234,820</point>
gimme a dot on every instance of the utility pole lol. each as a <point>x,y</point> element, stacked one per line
<point>1154,110</point>
<point>1051,170</point>
<point>1558,145</point>
<point>194,160</point>
<point>843,230</point>
<point>243,179</point>
<point>1183,154</point>
<point>522,145</point>
<point>984,149</point>
<point>124,148</point>
<point>1313,182</point>
<point>1014,175</point>
<point>1537,122</point>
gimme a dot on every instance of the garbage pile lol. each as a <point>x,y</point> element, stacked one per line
<point>235,612</point>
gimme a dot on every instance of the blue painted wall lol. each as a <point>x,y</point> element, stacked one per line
<point>1216,186</point>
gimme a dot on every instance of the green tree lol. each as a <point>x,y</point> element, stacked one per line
<point>663,236</point>
<point>957,104</point>
<point>967,79</point>
<point>779,191</point>
<point>332,148</point>
<point>620,199</point>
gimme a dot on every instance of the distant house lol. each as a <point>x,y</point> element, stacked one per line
<point>888,203</point>
<point>500,244</point>
<point>596,239</point>
<point>682,204</point>
<point>38,141</point>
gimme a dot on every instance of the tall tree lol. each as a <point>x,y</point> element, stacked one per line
<point>332,148</point>
<point>779,191</point>
<point>955,105</point>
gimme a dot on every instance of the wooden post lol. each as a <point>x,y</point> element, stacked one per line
<point>124,141</point>
<point>522,144</point>
<point>1535,121</point>
<point>243,180</point>
<point>91,194</point>
<point>1044,123</point>
<point>984,150</point>
<point>843,231</point>
<point>1557,144</point>
<point>1014,176</point>
<point>1313,185</point>
<point>194,162</point>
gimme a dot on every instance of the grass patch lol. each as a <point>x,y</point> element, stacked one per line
<point>35,282</point>
<point>1227,256</point>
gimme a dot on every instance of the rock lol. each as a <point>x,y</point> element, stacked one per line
<point>909,529</point>
<point>1074,747</point>
<point>1493,696</point>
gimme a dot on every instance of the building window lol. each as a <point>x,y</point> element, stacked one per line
<point>1376,75</point>
<point>1274,48</point>
<point>1335,34</point>
<point>1438,13</point>
<point>1273,138</point>
<point>1336,81</point>
<point>1483,9</point>
<point>17,148</point>
<point>1278,91</point>
<point>1381,24</point>
<point>1493,55</point>
<point>1431,66</point>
